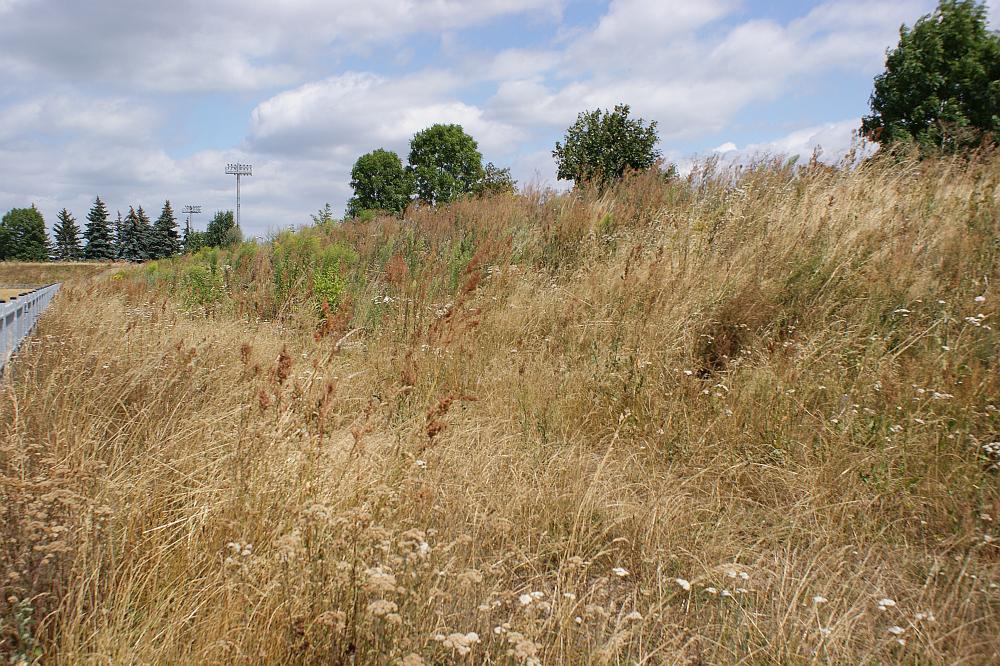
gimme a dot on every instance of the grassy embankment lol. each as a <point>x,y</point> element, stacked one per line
<point>694,422</point>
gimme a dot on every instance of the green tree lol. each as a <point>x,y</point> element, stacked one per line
<point>380,183</point>
<point>97,233</point>
<point>24,236</point>
<point>119,238</point>
<point>495,181</point>
<point>132,238</point>
<point>941,85</point>
<point>222,230</point>
<point>445,162</point>
<point>66,246</point>
<point>601,146</point>
<point>324,215</point>
<point>165,240</point>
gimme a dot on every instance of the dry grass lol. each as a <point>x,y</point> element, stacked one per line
<point>37,274</point>
<point>709,422</point>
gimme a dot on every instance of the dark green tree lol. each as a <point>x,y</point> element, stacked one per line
<point>601,146</point>
<point>495,181</point>
<point>194,240</point>
<point>97,233</point>
<point>445,162</point>
<point>134,236</point>
<point>165,240</point>
<point>222,230</point>
<point>66,244</point>
<point>120,234</point>
<point>941,85</point>
<point>380,183</point>
<point>23,235</point>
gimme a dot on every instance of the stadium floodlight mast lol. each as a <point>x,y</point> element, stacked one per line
<point>237,169</point>
<point>190,210</point>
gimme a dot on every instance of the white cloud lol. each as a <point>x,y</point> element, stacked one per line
<point>224,45</point>
<point>353,113</point>
<point>832,140</point>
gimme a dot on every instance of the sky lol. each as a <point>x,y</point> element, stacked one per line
<point>140,101</point>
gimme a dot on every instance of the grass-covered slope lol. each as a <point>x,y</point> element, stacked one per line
<point>733,418</point>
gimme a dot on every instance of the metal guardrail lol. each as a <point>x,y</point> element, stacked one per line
<point>18,317</point>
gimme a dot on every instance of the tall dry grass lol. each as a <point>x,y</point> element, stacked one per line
<point>743,418</point>
<point>41,273</point>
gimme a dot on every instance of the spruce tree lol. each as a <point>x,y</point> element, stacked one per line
<point>100,242</point>
<point>67,238</point>
<point>119,236</point>
<point>134,236</point>
<point>166,242</point>
<point>145,233</point>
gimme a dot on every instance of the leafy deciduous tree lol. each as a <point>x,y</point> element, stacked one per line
<point>23,235</point>
<point>601,146</point>
<point>222,230</point>
<point>495,181</point>
<point>380,183</point>
<point>445,162</point>
<point>941,85</point>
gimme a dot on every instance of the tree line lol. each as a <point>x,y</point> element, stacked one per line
<point>940,92</point>
<point>134,237</point>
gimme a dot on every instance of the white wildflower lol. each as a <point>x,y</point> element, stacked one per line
<point>685,585</point>
<point>895,630</point>
<point>819,599</point>
<point>621,572</point>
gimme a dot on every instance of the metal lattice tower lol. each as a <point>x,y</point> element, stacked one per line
<point>238,170</point>
<point>190,210</point>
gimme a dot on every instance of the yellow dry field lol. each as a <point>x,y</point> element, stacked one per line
<point>7,294</point>
<point>743,418</point>
<point>42,273</point>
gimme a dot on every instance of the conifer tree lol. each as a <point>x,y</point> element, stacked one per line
<point>67,238</point>
<point>97,233</point>
<point>132,237</point>
<point>119,241</point>
<point>166,242</point>
<point>145,234</point>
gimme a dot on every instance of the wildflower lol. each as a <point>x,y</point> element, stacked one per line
<point>634,616</point>
<point>895,630</point>
<point>525,599</point>
<point>411,660</point>
<point>826,631</point>
<point>685,585</point>
<point>979,299</point>
<point>461,643</point>
<point>578,619</point>
<point>620,572</point>
<point>819,599</point>
<point>382,608</point>
<point>422,464</point>
<point>924,615</point>
<point>569,595</point>
<point>711,590</point>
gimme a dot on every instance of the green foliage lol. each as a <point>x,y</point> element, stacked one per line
<point>600,147</point>
<point>495,182</point>
<point>165,241</point>
<point>329,283</point>
<point>445,162</point>
<point>23,236</point>
<point>380,183</point>
<point>135,236</point>
<point>203,285</point>
<point>324,215</point>
<point>222,230</point>
<point>97,233</point>
<point>67,238</point>
<point>941,85</point>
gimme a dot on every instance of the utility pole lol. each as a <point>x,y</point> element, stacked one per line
<point>190,210</point>
<point>238,170</point>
